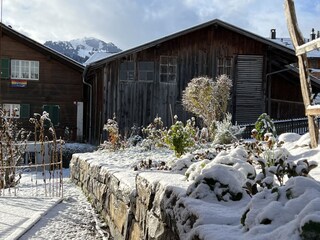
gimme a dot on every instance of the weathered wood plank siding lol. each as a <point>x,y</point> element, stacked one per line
<point>197,53</point>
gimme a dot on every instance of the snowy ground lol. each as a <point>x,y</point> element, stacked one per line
<point>72,218</point>
<point>272,215</point>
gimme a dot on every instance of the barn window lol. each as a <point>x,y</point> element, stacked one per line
<point>224,66</point>
<point>146,71</point>
<point>5,68</point>
<point>127,71</point>
<point>313,63</point>
<point>22,69</point>
<point>54,113</point>
<point>168,69</point>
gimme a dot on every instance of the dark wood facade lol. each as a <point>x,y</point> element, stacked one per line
<point>139,84</point>
<point>58,88</point>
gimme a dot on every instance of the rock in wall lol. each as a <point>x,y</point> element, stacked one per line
<point>135,205</point>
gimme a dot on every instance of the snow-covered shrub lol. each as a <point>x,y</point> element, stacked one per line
<point>218,183</point>
<point>264,125</point>
<point>207,99</point>
<point>154,134</point>
<point>69,149</point>
<point>195,169</point>
<point>276,168</point>
<point>13,145</point>
<point>113,134</point>
<point>296,205</point>
<point>226,132</point>
<point>180,137</point>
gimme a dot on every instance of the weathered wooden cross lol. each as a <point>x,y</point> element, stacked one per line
<point>301,49</point>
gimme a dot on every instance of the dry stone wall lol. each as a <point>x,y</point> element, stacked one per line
<point>135,205</point>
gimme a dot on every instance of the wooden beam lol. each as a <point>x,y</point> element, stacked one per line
<point>297,40</point>
<point>307,47</point>
<point>313,110</point>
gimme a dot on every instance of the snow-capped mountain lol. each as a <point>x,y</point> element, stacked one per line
<point>82,49</point>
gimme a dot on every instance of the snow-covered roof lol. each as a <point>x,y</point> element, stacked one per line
<point>97,56</point>
<point>288,43</point>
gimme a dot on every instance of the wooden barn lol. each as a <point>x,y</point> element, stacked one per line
<point>147,81</point>
<point>35,78</point>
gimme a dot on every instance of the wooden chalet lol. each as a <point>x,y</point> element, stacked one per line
<point>35,78</point>
<point>147,81</point>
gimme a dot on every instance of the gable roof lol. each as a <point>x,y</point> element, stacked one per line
<point>215,22</point>
<point>41,48</point>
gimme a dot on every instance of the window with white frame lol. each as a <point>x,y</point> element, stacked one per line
<point>15,110</point>
<point>224,66</point>
<point>168,69</point>
<point>23,69</point>
<point>11,110</point>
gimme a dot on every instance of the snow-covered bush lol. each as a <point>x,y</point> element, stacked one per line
<point>218,183</point>
<point>276,167</point>
<point>264,125</point>
<point>180,137</point>
<point>69,149</point>
<point>207,99</point>
<point>154,134</point>
<point>226,132</point>
<point>296,205</point>
<point>112,129</point>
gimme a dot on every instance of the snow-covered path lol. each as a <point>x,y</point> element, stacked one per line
<point>73,218</point>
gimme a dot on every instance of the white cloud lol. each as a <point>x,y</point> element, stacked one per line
<point>129,23</point>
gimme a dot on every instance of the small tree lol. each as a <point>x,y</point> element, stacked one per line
<point>263,125</point>
<point>207,99</point>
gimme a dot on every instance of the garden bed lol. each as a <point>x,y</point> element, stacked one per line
<point>200,195</point>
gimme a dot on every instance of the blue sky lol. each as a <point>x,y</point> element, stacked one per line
<point>129,23</point>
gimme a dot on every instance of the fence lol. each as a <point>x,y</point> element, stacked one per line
<point>299,125</point>
<point>37,173</point>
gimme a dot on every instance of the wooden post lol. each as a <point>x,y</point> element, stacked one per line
<point>297,40</point>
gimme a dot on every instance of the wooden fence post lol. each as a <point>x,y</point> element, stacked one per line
<point>297,40</point>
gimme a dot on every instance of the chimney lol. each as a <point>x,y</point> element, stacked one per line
<point>313,34</point>
<point>273,33</point>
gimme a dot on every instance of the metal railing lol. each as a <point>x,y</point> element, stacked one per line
<point>298,125</point>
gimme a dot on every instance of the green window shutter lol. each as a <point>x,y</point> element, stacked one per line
<point>25,111</point>
<point>5,68</point>
<point>54,113</point>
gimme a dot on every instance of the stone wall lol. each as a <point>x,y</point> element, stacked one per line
<point>135,205</point>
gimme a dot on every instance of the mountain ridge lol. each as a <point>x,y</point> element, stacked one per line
<point>82,49</point>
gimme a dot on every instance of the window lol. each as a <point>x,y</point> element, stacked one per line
<point>16,110</point>
<point>11,110</point>
<point>5,68</point>
<point>313,63</point>
<point>22,69</point>
<point>127,71</point>
<point>224,66</point>
<point>168,69</point>
<point>146,71</point>
<point>54,113</point>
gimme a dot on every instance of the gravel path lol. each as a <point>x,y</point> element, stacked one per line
<point>73,218</point>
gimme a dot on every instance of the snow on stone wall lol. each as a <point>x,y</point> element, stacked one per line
<point>135,205</point>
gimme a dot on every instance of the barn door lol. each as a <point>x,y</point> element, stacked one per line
<point>249,102</point>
